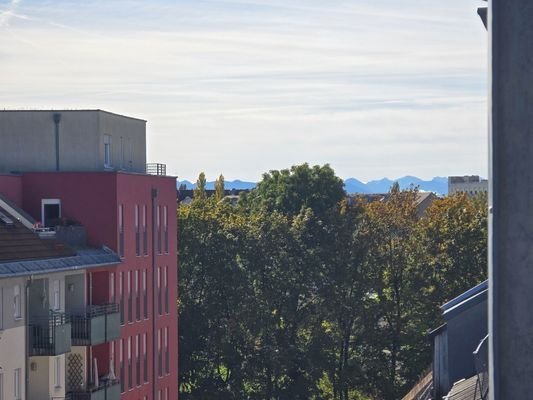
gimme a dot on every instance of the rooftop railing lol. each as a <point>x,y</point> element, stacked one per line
<point>156,169</point>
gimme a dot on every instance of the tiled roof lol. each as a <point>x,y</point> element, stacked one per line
<point>465,389</point>
<point>89,258</point>
<point>19,243</point>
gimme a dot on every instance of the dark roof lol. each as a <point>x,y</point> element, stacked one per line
<point>19,243</point>
<point>465,389</point>
<point>463,302</point>
<point>88,258</point>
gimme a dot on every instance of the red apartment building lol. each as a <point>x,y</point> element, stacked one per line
<point>90,166</point>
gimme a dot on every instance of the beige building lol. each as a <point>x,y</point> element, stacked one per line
<point>471,185</point>
<point>46,320</point>
<point>71,140</point>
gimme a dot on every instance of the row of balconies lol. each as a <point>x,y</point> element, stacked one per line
<point>56,335</point>
<point>59,332</point>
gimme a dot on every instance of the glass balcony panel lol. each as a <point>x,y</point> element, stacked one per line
<point>100,324</point>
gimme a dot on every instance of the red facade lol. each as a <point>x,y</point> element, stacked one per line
<point>134,215</point>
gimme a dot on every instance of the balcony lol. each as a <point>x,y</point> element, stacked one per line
<point>100,324</point>
<point>106,390</point>
<point>156,169</point>
<point>50,336</point>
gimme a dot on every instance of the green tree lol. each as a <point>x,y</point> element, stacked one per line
<point>301,186</point>
<point>219,188</point>
<point>200,192</point>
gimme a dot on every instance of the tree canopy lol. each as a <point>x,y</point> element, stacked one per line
<point>302,294</point>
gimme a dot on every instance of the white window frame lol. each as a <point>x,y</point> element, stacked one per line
<point>45,202</point>
<point>1,315</point>
<point>57,295</point>
<point>1,386</point>
<point>16,384</point>
<point>17,302</point>
<point>108,158</point>
<point>112,286</point>
<point>57,372</point>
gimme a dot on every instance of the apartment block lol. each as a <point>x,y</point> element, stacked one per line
<point>471,185</point>
<point>123,205</point>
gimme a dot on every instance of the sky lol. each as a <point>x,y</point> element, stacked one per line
<point>375,88</point>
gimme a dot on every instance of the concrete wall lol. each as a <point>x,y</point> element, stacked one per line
<point>38,372</point>
<point>27,141</point>
<point>11,187</point>
<point>128,135</point>
<point>12,338</point>
<point>75,297</point>
<point>464,334</point>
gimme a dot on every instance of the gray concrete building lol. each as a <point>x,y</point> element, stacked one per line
<point>71,140</point>
<point>471,185</point>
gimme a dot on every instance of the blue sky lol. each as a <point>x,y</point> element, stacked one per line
<point>374,87</point>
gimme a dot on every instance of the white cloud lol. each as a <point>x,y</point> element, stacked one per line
<point>241,87</point>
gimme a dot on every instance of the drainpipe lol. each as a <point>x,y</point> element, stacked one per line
<point>26,336</point>
<point>57,119</point>
<point>154,311</point>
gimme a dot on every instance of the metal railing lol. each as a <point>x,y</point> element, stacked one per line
<point>107,389</point>
<point>156,169</point>
<point>95,326</point>
<point>481,361</point>
<point>50,336</point>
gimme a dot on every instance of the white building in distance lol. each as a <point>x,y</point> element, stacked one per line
<point>472,185</point>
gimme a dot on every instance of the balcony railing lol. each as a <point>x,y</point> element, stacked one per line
<point>106,390</point>
<point>156,169</point>
<point>50,336</point>
<point>100,324</point>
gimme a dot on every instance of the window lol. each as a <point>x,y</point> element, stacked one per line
<point>166,393</point>
<point>121,360</point>
<point>158,221</point>
<point>159,354</point>
<point>57,295</point>
<point>145,359</point>
<point>167,360</point>
<point>159,298</point>
<point>1,386</point>
<point>122,163</point>
<point>145,232</point>
<point>112,286</point>
<point>57,372</point>
<point>165,226</point>
<point>17,302</point>
<point>16,384</point>
<point>137,360</point>
<point>145,296</point>
<point>50,212</point>
<point>165,282</point>
<point>137,297</point>
<point>107,151</point>
<point>121,230</point>
<point>121,294</point>
<point>130,367</point>
<point>1,316</point>
<point>137,232</point>
<point>130,299</point>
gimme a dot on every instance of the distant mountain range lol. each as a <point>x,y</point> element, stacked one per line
<point>438,185</point>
